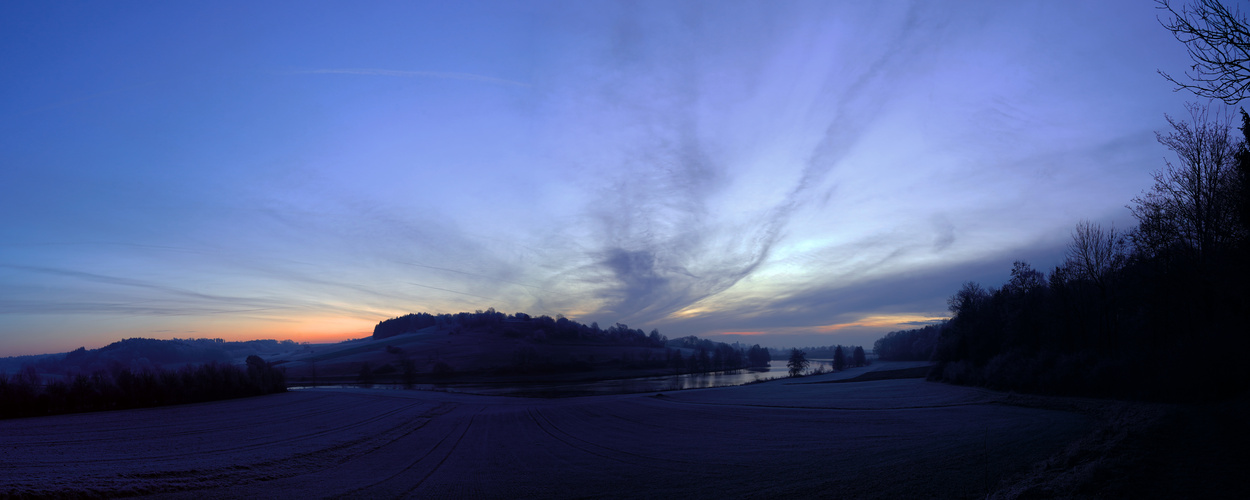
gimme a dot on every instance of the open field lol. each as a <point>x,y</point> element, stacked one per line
<point>888,438</point>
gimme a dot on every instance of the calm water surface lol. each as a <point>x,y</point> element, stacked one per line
<point>776,369</point>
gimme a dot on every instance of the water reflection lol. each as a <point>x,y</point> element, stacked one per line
<point>775,369</point>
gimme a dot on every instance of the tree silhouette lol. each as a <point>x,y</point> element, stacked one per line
<point>968,297</point>
<point>839,359</point>
<point>21,395</point>
<point>1193,204</point>
<point>1243,177</point>
<point>798,362</point>
<point>1218,42</point>
<point>758,356</point>
<point>908,345</point>
<point>1094,254</point>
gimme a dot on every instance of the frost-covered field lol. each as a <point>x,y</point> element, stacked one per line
<point>893,438</point>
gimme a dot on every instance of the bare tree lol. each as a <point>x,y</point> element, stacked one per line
<point>1219,44</point>
<point>1192,204</point>
<point>967,298</point>
<point>1094,253</point>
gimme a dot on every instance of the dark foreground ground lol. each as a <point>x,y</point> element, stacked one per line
<point>887,438</point>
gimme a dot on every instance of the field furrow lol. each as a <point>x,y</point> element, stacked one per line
<point>894,438</point>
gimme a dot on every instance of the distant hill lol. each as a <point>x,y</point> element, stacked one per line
<point>492,346</point>
<point>138,354</point>
<point>487,346</point>
<point>138,373</point>
<point>520,325</point>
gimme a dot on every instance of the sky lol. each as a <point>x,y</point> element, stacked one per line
<point>783,173</point>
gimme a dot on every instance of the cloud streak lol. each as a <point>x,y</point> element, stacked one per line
<point>666,249</point>
<point>160,300</point>
<point>443,75</point>
<point>700,167</point>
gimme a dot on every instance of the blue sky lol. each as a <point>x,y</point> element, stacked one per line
<point>783,173</point>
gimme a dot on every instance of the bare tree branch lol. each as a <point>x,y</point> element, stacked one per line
<point>1218,42</point>
<point>1094,253</point>
<point>1192,203</point>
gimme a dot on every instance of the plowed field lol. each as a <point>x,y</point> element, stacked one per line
<point>889,438</point>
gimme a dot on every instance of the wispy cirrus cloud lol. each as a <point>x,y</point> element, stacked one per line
<point>667,246</point>
<point>757,169</point>
<point>446,75</point>
<point>130,296</point>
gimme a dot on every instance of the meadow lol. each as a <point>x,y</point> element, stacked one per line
<point>788,437</point>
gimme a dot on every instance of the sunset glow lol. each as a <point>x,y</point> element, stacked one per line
<point>893,322</point>
<point>796,173</point>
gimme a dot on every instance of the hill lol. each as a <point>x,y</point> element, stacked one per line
<point>482,346</point>
<point>139,354</point>
<point>493,346</point>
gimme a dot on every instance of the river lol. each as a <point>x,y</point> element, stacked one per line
<point>775,369</point>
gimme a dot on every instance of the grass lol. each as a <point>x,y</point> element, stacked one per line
<point>1143,450</point>
<point>917,439</point>
<point>902,373</point>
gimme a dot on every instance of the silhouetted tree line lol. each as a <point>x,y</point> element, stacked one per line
<point>140,354</point>
<point>26,394</point>
<point>721,356</point>
<point>909,345</point>
<point>758,356</point>
<point>707,356</point>
<point>841,356</point>
<point>537,329</point>
<point>692,342</point>
<point>703,355</point>
<point>1157,312</point>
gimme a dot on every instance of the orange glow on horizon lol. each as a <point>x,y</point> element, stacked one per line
<point>315,330</point>
<point>900,321</point>
<point>311,329</point>
<point>903,321</point>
